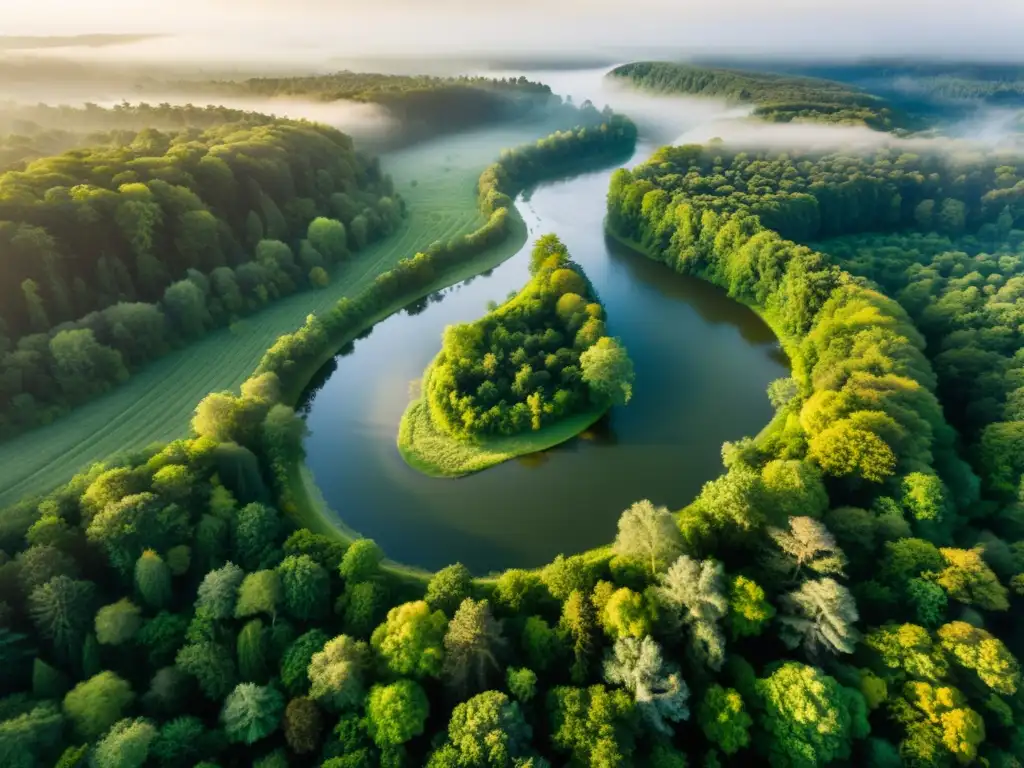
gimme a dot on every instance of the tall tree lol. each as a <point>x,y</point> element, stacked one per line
<point>695,594</point>
<point>648,534</point>
<point>472,644</point>
<point>820,614</point>
<point>659,691</point>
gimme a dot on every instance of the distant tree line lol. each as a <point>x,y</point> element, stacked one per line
<point>110,256</point>
<point>777,98</point>
<point>537,358</point>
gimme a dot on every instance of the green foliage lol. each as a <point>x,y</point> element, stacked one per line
<point>260,592</point>
<point>648,534</point>
<point>62,612</point>
<point>361,561</point>
<point>472,644</point>
<point>521,367</point>
<point>448,588</point>
<point>153,579</point>
<point>724,719</point>
<point>295,660</point>
<point>336,673</point>
<point>969,580</point>
<point>251,712</point>
<point>694,594</point>
<point>809,717</point>
<point>179,742</point>
<point>410,641</point>
<point>522,684</point>
<point>749,611</point>
<point>396,713</point>
<point>118,623</point>
<point>488,731</point>
<point>594,726</point>
<point>95,704</point>
<point>218,591</point>
<point>306,587</point>
<point>126,745</point>
<point>211,665</point>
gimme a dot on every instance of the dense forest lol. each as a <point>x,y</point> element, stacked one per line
<point>111,254</point>
<point>910,527</point>
<point>535,359</point>
<point>776,98</point>
<point>423,105</point>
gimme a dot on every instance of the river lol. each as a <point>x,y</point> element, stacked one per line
<point>702,361</point>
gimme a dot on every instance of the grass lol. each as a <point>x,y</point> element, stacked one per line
<point>430,451</point>
<point>157,403</point>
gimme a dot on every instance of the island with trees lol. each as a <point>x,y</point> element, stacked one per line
<point>777,98</point>
<point>532,373</point>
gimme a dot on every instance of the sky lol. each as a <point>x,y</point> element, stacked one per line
<point>848,28</point>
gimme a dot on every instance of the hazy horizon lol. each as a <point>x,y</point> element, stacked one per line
<point>310,30</point>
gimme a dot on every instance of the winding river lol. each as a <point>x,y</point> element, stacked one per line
<point>702,363</point>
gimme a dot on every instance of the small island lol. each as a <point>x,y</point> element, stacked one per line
<point>530,374</point>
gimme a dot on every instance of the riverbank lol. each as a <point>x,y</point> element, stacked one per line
<point>427,449</point>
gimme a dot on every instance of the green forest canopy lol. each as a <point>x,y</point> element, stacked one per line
<point>537,358</point>
<point>845,592</point>
<point>777,98</point>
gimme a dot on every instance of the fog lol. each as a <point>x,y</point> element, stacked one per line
<point>280,32</point>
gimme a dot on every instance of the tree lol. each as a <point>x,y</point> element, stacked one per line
<point>843,450</point>
<point>218,591</point>
<point>48,682</point>
<point>810,718</point>
<point>488,731</point>
<point>126,745</point>
<point>306,587</point>
<point>211,665</point>
<point>908,650</point>
<point>251,712</point>
<point>578,624</point>
<point>472,642</point>
<point>185,306</point>
<point>541,644</point>
<point>793,489</point>
<point>95,704</point>
<point>724,719</point>
<point>62,611</point>
<point>937,718</point>
<point>296,658</point>
<point>806,543</point>
<point>969,580</point>
<point>648,534</point>
<point>749,611</point>
<point>153,579</point>
<point>628,613</point>
<point>448,588</point>
<point>117,623</point>
<point>695,593</point>
<point>180,742</point>
<point>522,683</point>
<point>820,614</point>
<point>38,564</point>
<point>28,737</point>
<point>411,640</point>
<point>563,575</point>
<point>336,672</point>
<point>256,531</point>
<point>302,725</point>
<point>251,651</point>
<point>976,649</point>
<point>924,496</point>
<point>608,371</point>
<point>659,691</point>
<point>39,321</point>
<point>260,592</point>
<point>596,726</point>
<point>328,236</point>
<point>361,561</point>
<point>396,713</point>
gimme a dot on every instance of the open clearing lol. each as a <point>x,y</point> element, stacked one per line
<point>157,403</point>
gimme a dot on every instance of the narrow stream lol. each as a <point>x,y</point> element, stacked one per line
<point>702,362</point>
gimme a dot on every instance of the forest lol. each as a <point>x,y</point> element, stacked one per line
<point>878,343</point>
<point>114,253</point>
<point>537,358</point>
<point>423,105</point>
<point>776,98</point>
<point>844,593</point>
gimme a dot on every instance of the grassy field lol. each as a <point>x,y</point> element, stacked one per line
<point>437,179</point>
<point>430,451</point>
